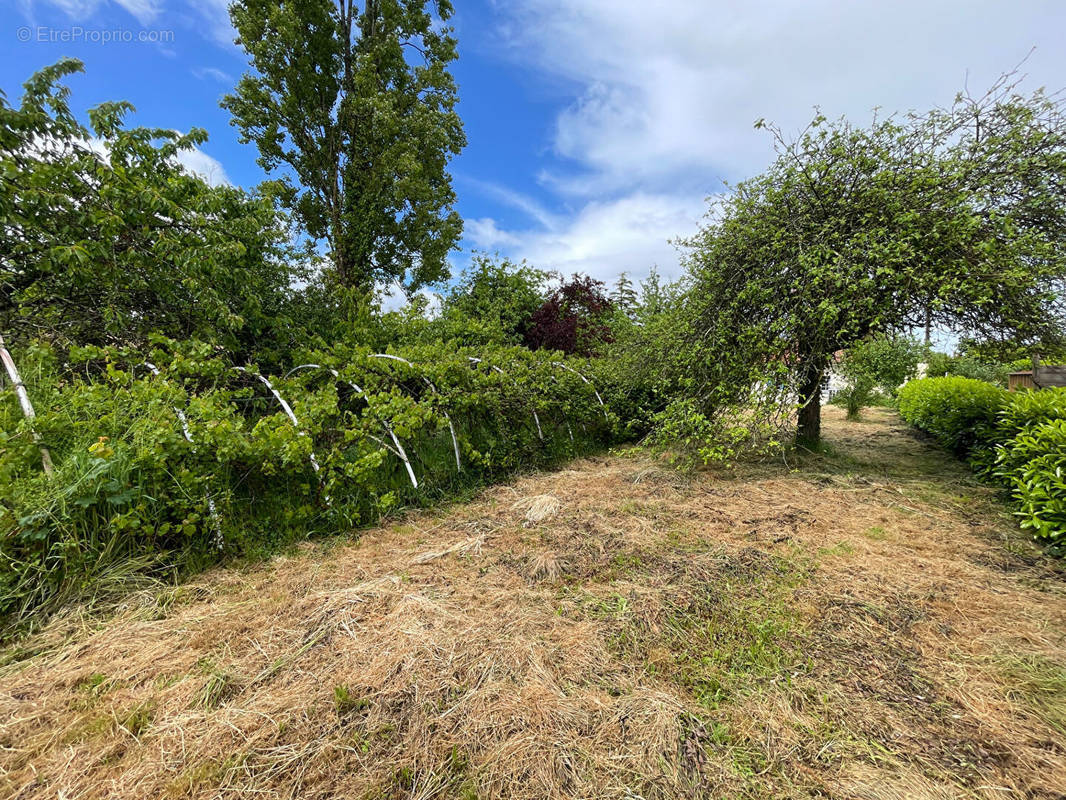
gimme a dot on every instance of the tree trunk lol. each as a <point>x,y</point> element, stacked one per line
<point>340,267</point>
<point>809,428</point>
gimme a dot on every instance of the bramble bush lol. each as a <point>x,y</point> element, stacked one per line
<point>165,473</point>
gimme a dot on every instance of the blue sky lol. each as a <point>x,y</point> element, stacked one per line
<point>596,128</point>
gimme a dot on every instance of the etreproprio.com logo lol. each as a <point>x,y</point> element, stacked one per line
<point>76,33</point>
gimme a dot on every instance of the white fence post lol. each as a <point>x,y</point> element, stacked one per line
<point>398,451</point>
<point>24,401</point>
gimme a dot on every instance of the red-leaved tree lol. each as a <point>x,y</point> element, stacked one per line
<point>575,318</point>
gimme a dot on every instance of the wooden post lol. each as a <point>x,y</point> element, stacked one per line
<point>24,401</point>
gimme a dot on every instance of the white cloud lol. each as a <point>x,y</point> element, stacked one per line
<point>514,199</point>
<point>144,11</point>
<point>213,73</point>
<point>676,89</point>
<point>215,13</point>
<point>665,97</point>
<point>201,164</point>
<point>391,296</point>
<point>605,238</point>
<point>486,234</point>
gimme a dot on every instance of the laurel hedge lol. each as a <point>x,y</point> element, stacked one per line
<point>957,412</point>
<point>1015,439</point>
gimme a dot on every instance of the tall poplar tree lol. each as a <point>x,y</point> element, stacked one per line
<point>356,109</point>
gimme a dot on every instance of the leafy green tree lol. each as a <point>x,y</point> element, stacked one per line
<point>623,295</point>
<point>1008,351</point>
<point>971,366</point>
<point>880,363</point>
<point>106,239</point>
<point>958,214</point>
<point>656,296</point>
<point>359,106</point>
<point>498,293</point>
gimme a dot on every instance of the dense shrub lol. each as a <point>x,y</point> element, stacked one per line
<point>966,366</point>
<point>1027,408</point>
<point>1029,458</point>
<point>1023,410</point>
<point>1033,465</point>
<point>957,412</point>
<point>1016,439</point>
<point>164,472</point>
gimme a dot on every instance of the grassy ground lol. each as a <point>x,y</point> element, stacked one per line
<point>865,624</point>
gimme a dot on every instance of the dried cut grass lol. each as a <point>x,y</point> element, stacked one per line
<point>538,508</point>
<point>711,636</point>
<point>471,545</point>
<point>546,566</point>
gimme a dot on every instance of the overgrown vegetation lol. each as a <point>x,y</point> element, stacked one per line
<point>197,403</point>
<point>968,366</point>
<point>957,412</point>
<point>167,467</point>
<point>107,240</point>
<point>214,376</point>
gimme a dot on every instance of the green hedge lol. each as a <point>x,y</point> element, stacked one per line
<point>1015,439</point>
<point>1023,410</point>
<point>1033,465</point>
<point>957,412</point>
